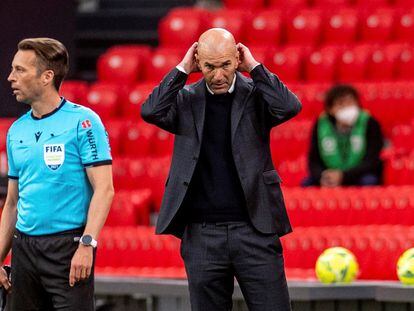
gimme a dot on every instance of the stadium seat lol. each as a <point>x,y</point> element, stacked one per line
<point>162,143</point>
<point>260,52</point>
<point>232,20</point>
<point>364,4</point>
<point>382,65</point>
<point>138,139</point>
<point>331,3</point>
<point>352,64</point>
<point>341,27</point>
<point>405,63</point>
<point>286,63</point>
<point>265,28</point>
<point>120,66</point>
<point>404,26</point>
<point>116,129</point>
<point>74,91</point>
<point>244,4</point>
<point>321,64</point>
<point>135,98</point>
<point>180,28</point>
<point>311,95</point>
<point>103,98</point>
<point>163,60</point>
<point>5,124</point>
<point>288,4</point>
<point>305,27</point>
<point>377,26</point>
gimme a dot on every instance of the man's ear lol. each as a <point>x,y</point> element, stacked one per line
<point>197,59</point>
<point>47,77</point>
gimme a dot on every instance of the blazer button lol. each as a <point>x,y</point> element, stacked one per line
<point>185,184</point>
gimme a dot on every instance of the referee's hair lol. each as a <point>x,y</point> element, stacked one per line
<point>50,55</point>
<point>339,91</point>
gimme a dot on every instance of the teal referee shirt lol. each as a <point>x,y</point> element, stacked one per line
<point>48,156</point>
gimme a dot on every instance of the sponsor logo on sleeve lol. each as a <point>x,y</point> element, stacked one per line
<point>92,145</point>
<point>86,124</point>
<point>54,155</point>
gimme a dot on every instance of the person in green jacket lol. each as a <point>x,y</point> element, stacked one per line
<point>346,143</point>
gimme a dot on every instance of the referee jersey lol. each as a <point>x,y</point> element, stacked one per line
<point>48,157</point>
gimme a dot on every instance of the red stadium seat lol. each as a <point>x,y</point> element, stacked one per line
<point>371,3</point>
<point>286,63</point>
<point>162,143</point>
<point>135,98</point>
<point>377,26</point>
<point>352,64</point>
<point>245,4</point>
<point>305,27</point>
<point>404,28</point>
<point>311,96</point>
<point>163,60</point>
<point>232,20</point>
<point>138,139</point>
<point>5,124</point>
<point>403,3</point>
<point>331,3</point>
<point>116,129</point>
<point>341,27</point>
<point>405,63</point>
<point>180,28</point>
<point>321,64</point>
<point>120,66</point>
<point>103,98</point>
<point>288,4</point>
<point>382,65</point>
<point>74,91</point>
<point>265,28</point>
<point>260,52</point>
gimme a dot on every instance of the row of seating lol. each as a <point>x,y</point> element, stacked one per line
<point>182,26</point>
<point>376,247</point>
<point>111,101</point>
<point>295,62</point>
<point>297,4</point>
<point>306,207</point>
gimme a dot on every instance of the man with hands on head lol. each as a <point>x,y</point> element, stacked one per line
<point>59,190</point>
<point>222,195</point>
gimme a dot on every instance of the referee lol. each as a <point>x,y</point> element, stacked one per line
<point>59,190</point>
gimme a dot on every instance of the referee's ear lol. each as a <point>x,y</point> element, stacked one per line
<point>47,77</point>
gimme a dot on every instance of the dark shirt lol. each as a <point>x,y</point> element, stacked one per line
<point>215,193</point>
<point>370,164</point>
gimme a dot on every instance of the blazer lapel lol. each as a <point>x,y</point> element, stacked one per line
<point>198,105</point>
<point>243,91</point>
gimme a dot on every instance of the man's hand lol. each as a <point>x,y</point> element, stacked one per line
<point>4,280</point>
<point>189,63</point>
<point>81,265</point>
<point>331,178</point>
<point>246,59</point>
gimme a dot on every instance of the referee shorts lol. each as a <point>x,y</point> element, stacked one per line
<point>40,274</point>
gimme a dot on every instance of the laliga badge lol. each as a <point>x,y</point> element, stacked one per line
<point>54,155</point>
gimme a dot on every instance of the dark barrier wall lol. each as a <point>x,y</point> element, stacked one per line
<point>21,19</point>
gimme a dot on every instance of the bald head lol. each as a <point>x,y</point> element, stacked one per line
<point>217,58</point>
<point>216,40</point>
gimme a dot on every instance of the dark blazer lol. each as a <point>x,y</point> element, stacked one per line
<point>258,105</point>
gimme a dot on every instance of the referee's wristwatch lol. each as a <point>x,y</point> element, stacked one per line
<point>88,240</point>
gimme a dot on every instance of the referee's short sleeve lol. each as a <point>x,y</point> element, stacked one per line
<point>93,141</point>
<point>13,173</point>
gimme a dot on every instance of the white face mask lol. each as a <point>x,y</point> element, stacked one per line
<point>347,115</point>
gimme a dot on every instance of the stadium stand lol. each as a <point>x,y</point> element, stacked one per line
<point>311,46</point>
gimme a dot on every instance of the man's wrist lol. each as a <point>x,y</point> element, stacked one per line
<point>181,68</point>
<point>253,66</point>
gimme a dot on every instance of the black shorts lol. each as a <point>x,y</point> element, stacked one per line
<point>40,274</point>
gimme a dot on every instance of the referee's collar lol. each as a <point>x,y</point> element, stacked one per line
<point>62,102</point>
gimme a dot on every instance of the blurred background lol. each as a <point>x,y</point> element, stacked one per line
<point>121,49</point>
